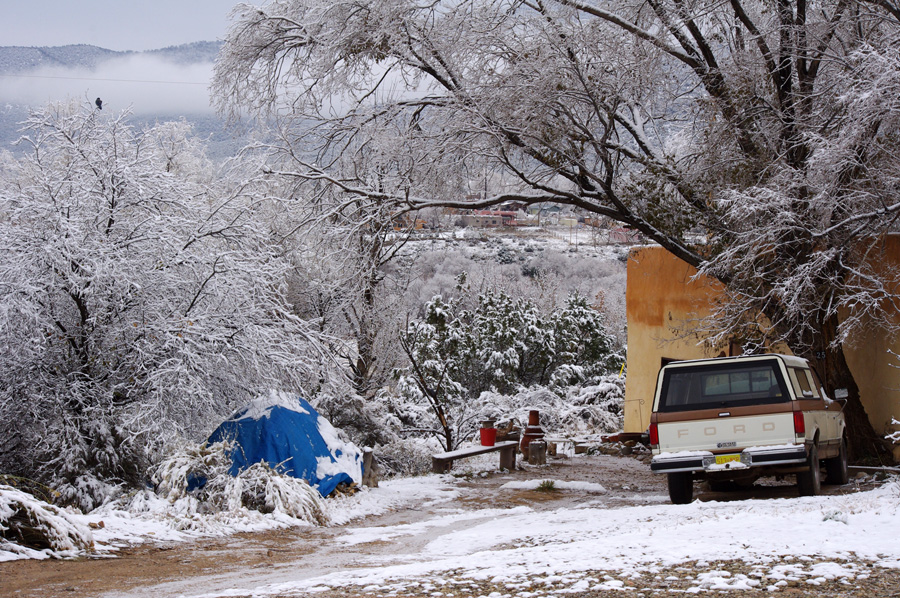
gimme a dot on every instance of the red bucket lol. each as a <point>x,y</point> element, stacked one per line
<point>488,436</point>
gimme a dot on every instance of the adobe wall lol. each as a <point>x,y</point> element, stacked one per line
<point>662,298</point>
<point>876,373</point>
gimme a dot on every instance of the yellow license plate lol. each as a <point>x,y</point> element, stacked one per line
<point>727,458</point>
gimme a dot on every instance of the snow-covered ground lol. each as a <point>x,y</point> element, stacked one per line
<point>484,243</point>
<point>811,539</point>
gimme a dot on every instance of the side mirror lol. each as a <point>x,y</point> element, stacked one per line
<point>840,396</point>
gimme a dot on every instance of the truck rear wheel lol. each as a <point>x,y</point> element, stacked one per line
<point>810,481</point>
<point>836,471</point>
<point>681,487</point>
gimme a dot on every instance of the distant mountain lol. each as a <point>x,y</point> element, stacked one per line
<point>19,59</point>
<point>189,53</point>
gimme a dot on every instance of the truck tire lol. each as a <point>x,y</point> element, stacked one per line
<point>681,487</point>
<point>836,471</point>
<point>810,481</point>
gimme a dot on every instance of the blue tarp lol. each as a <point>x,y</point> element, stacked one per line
<point>288,434</point>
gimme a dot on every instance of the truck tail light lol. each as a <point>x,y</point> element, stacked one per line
<point>654,435</point>
<point>799,425</point>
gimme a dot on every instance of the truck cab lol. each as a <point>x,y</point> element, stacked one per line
<point>731,420</point>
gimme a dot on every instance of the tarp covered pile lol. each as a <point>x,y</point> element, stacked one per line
<point>287,433</point>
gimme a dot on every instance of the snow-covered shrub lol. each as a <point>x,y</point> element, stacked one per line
<point>593,408</point>
<point>596,407</point>
<point>365,421</point>
<point>29,527</point>
<point>260,488</point>
<point>406,457</point>
<point>189,466</point>
<point>90,460</point>
<point>276,493</point>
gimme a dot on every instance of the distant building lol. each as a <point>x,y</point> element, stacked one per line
<point>405,222</point>
<point>513,206</point>
<point>625,236</point>
<point>490,218</point>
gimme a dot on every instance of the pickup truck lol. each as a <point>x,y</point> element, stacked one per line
<point>731,420</point>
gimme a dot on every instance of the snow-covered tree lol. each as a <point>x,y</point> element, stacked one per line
<point>770,127</point>
<point>338,282</point>
<point>140,296</point>
<point>501,345</point>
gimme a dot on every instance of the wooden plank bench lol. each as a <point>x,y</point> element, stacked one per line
<point>442,462</point>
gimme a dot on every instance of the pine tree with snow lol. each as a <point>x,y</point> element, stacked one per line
<point>500,346</point>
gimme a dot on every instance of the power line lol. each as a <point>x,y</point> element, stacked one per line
<point>102,79</point>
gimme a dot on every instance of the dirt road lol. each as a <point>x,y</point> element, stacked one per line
<point>213,566</point>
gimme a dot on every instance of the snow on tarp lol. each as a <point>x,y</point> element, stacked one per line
<point>287,433</point>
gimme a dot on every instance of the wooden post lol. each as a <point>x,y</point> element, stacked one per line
<point>370,469</point>
<point>537,452</point>
<point>440,465</point>
<point>508,458</point>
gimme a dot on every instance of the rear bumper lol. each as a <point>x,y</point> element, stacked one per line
<point>757,456</point>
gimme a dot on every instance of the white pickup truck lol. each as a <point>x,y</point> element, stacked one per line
<point>731,420</point>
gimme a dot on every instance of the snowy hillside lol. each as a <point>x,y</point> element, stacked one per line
<point>21,59</point>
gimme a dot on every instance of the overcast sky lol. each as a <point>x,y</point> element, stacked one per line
<point>140,83</point>
<point>114,24</point>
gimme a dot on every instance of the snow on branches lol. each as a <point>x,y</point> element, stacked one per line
<point>258,487</point>
<point>500,346</point>
<point>767,134</point>
<point>141,295</point>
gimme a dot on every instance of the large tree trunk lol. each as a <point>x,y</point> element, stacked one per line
<point>863,443</point>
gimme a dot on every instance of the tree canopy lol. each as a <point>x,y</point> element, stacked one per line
<point>755,140</point>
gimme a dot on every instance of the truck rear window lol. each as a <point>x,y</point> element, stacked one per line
<point>722,385</point>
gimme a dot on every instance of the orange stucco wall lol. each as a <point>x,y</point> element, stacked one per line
<point>663,297</point>
<point>876,372</point>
